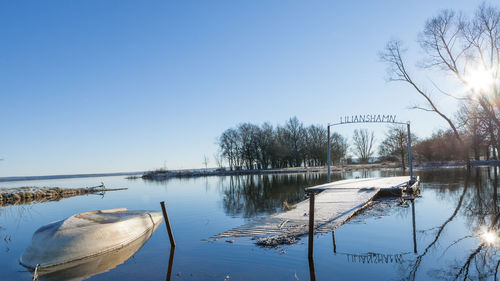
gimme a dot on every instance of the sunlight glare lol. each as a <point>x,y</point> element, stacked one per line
<point>489,237</point>
<point>480,80</point>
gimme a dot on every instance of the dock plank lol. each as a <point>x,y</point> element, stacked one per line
<point>334,205</point>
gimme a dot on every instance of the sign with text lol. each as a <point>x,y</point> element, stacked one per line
<point>368,118</point>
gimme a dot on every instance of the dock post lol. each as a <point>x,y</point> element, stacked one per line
<point>170,263</point>
<point>167,222</point>
<point>328,153</point>
<point>312,273</point>
<point>311,225</point>
<point>410,157</point>
<point>414,230</point>
<point>334,244</point>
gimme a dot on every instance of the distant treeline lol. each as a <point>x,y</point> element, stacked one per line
<point>251,146</point>
<point>444,146</point>
<point>292,145</point>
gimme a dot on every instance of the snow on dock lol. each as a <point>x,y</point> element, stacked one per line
<point>334,205</point>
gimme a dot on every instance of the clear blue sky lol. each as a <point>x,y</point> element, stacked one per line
<point>104,86</point>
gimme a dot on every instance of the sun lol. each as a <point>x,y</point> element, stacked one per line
<point>489,237</point>
<point>480,80</point>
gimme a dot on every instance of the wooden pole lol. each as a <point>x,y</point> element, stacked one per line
<point>414,230</point>
<point>170,263</point>
<point>167,222</point>
<point>311,225</point>
<point>312,273</point>
<point>334,244</point>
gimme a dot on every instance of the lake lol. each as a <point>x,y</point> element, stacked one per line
<point>456,220</point>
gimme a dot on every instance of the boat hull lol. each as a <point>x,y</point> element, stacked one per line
<point>86,235</point>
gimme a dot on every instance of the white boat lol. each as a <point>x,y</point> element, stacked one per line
<point>83,236</point>
<point>88,267</point>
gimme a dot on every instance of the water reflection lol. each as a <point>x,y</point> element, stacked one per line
<point>377,258</point>
<point>251,196</point>
<point>456,220</point>
<point>170,263</point>
<point>478,204</point>
<point>414,228</point>
<point>490,238</point>
<point>312,272</point>
<point>84,269</point>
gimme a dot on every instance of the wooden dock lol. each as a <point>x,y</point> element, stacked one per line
<point>334,205</point>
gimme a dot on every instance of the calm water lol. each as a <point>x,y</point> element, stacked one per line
<point>453,212</point>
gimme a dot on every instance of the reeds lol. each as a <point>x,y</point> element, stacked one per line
<point>27,195</point>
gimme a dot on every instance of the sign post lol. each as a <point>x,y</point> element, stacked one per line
<point>410,157</point>
<point>328,153</point>
<point>371,118</point>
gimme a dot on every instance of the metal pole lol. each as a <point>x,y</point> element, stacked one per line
<point>311,225</point>
<point>328,152</point>
<point>167,222</point>
<point>410,157</point>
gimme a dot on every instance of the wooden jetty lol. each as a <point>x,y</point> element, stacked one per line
<point>336,203</point>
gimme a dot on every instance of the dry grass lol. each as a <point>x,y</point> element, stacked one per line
<point>287,206</point>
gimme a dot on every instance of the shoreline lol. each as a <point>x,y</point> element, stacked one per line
<point>162,175</point>
<point>71,176</point>
<point>165,174</point>
<point>32,194</point>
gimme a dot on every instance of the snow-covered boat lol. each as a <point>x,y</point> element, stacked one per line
<point>83,236</point>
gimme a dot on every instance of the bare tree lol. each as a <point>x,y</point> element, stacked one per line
<point>338,147</point>
<point>230,145</point>
<point>219,160</point>
<point>393,55</point>
<point>295,134</point>
<point>395,144</point>
<point>363,144</point>
<point>469,49</point>
<point>315,145</point>
<point>278,147</point>
<point>265,142</point>
<point>205,161</point>
<point>249,135</point>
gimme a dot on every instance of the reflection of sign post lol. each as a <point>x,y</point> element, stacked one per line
<point>371,118</point>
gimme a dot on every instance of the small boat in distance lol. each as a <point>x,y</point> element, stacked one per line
<point>71,241</point>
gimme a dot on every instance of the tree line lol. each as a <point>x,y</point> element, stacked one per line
<point>290,145</point>
<point>251,146</point>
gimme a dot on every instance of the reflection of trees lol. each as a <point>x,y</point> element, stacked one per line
<point>478,204</point>
<point>251,196</point>
<point>481,213</point>
<point>482,257</point>
<point>453,177</point>
<point>415,267</point>
<point>254,195</point>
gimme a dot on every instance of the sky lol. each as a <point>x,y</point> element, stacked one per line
<point>111,86</point>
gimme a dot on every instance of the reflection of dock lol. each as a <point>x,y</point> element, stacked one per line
<point>334,205</point>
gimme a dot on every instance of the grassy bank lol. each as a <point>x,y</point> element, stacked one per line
<point>27,194</point>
